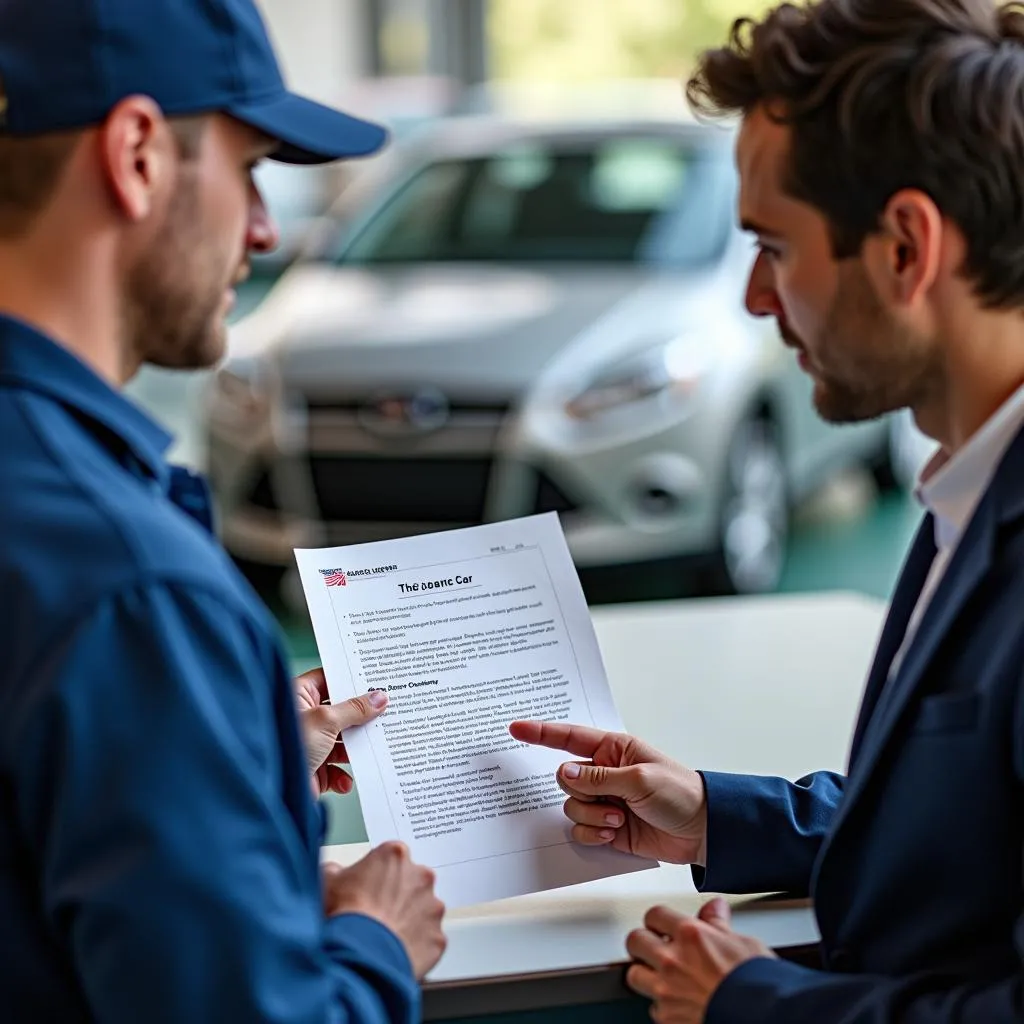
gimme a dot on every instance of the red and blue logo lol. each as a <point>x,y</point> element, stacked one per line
<point>334,577</point>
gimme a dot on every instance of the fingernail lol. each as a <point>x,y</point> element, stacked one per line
<point>613,819</point>
<point>571,771</point>
<point>606,833</point>
<point>378,699</point>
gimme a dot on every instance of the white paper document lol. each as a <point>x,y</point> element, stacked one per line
<point>467,630</point>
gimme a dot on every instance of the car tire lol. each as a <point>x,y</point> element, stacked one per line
<point>754,514</point>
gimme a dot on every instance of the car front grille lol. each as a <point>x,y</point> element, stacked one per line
<point>407,490</point>
<point>400,490</point>
<point>462,407</point>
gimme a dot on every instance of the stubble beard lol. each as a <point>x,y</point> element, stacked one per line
<point>175,293</point>
<point>877,366</point>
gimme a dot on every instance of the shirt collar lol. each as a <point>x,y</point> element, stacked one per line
<point>951,487</point>
<point>30,359</point>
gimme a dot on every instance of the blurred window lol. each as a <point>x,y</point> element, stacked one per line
<point>621,199</point>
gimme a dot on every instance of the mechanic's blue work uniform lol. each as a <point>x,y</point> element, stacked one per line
<point>158,834</point>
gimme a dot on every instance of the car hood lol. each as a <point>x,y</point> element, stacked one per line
<point>474,329</point>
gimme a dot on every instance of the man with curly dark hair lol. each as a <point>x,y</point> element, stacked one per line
<point>881,162</point>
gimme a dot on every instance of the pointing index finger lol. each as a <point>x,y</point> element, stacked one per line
<point>580,740</point>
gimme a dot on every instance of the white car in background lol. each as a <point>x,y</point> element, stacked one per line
<point>504,318</point>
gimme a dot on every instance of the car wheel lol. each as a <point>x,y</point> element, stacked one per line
<point>754,517</point>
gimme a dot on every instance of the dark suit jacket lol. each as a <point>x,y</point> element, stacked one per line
<point>914,860</point>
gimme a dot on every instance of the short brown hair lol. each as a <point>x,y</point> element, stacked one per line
<point>31,168</point>
<point>882,95</point>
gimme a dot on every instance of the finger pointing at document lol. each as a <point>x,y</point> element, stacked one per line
<point>625,794</point>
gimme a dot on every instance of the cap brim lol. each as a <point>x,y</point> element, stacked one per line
<point>309,132</point>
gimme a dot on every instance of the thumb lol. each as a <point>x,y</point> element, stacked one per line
<point>352,712</point>
<point>716,913</point>
<point>598,781</point>
<point>330,869</point>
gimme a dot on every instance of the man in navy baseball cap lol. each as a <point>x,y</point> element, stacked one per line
<point>159,843</point>
<point>80,78</point>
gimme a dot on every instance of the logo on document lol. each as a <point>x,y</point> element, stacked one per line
<point>334,577</point>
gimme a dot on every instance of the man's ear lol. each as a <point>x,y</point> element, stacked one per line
<point>905,256</point>
<point>138,155</point>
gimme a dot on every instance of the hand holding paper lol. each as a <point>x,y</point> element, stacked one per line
<point>466,631</point>
<point>321,724</point>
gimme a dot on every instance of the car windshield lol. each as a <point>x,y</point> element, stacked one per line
<point>636,199</point>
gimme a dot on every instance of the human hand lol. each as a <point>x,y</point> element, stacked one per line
<point>322,725</point>
<point>681,961</point>
<point>628,796</point>
<point>387,886</point>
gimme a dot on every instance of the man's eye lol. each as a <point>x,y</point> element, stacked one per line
<point>766,250</point>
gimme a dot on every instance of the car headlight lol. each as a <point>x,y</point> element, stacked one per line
<point>240,392</point>
<point>668,371</point>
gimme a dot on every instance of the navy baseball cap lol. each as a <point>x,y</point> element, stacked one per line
<point>65,64</point>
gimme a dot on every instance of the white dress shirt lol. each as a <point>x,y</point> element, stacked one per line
<point>951,488</point>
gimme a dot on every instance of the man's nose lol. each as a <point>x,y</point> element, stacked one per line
<point>263,235</point>
<point>761,298</point>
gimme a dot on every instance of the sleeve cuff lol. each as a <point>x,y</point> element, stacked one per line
<point>729,807</point>
<point>753,992</point>
<point>375,942</point>
<point>362,944</point>
<point>755,843</point>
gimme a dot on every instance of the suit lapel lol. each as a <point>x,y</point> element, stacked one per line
<point>1001,507</point>
<point>966,569</point>
<point>908,589</point>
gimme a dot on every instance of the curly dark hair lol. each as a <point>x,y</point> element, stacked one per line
<point>882,95</point>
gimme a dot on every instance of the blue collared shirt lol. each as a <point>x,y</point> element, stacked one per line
<point>158,836</point>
